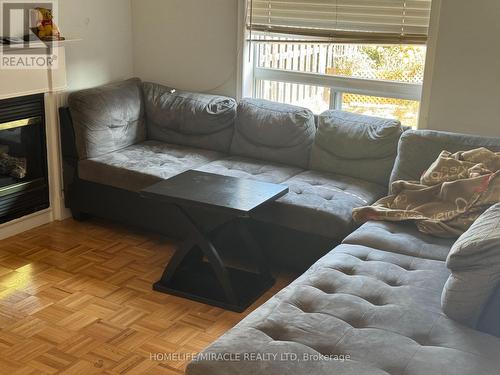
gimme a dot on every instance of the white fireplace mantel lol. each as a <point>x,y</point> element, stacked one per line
<point>22,82</point>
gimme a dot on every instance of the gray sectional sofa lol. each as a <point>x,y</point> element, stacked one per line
<point>123,137</point>
<point>372,306</point>
<point>387,300</point>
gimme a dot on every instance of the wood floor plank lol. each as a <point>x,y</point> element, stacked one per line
<point>77,298</point>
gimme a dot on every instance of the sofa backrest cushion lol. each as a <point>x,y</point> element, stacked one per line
<point>474,262</point>
<point>189,119</point>
<point>107,118</point>
<point>275,132</point>
<point>418,149</point>
<point>355,145</point>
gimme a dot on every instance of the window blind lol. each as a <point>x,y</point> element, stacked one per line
<point>362,21</point>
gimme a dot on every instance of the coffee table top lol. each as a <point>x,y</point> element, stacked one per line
<point>201,189</point>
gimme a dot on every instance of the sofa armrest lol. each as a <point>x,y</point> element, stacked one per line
<point>107,118</point>
<point>68,149</point>
<point>68,142</point>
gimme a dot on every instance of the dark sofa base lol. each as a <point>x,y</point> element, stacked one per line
<point>282,246</point>
<point>124,207</point>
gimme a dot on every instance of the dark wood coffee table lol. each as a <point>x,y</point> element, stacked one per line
<point>196,270</point>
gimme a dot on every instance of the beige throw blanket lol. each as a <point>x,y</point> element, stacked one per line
<point>450,196</point>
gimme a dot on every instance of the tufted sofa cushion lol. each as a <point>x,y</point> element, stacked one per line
<point>274,132</point>
<point>320,203</point>
<point>107,118</point>
<point>355,145</point>
<point>139,166</point>
<point>474,261</point>
<point>189,119</point>
<point>380,308</point>
<point>236,166</point>
<point>418,149</point>
<point>402,238</point>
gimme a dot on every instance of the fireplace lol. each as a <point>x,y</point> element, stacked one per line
<point>23,157</point>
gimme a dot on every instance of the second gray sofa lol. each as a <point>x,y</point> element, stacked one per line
<point>389,300</point>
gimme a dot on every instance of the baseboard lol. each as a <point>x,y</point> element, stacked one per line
<point>25,223</point>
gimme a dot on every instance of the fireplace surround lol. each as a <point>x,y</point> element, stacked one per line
<point>24,187</point>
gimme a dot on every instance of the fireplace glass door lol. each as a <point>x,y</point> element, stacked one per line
<point>23,161</point>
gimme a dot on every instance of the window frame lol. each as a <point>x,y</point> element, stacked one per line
<point>338,85</point>
<point>245,75</point>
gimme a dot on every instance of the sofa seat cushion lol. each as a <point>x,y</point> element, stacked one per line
<point>139,166</point>
<point>321,203</point>
<point>402,239</point>
<point>241,167</point>
<point>381,309</point>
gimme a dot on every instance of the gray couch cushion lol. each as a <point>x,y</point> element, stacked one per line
<point>400,238</point>
<point>418,149</point>
<point>190,119</point>
<point>275,132</point>
<point>381,309</point>
<point>139,166</point>
<point>320,203</point>
<point>489,321</point>
<point>474,261</point>
<point>236,166</point>
<point>355,145</point>
<point>107,118</point>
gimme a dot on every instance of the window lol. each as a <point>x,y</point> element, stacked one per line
<point>364,56</point>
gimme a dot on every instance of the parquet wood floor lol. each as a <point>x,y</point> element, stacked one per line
<point>76,298</point>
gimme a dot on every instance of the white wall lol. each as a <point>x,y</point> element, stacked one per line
<point>187,44</point>
<point>191,45</point>
<point>105,52</point>
<point>464,92</point>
